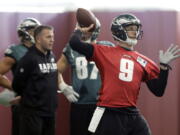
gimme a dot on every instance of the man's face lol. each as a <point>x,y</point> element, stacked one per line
<point>46,39</point>
<point>132,31</point>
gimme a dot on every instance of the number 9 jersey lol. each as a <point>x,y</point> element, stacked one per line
<point>122,72</point>
<point>85,75</point>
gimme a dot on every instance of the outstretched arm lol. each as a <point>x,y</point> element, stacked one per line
<point>157,86</point>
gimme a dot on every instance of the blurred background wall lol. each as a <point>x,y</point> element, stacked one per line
<point>161,28</point>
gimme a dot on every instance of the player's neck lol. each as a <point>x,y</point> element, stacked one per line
<point>41,49</point>
<point>126,46</point>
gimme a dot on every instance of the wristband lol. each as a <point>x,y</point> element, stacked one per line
<point>166,65</point>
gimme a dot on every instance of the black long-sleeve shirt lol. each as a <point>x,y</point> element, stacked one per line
<point>156,86</point>
<point>36,81</point>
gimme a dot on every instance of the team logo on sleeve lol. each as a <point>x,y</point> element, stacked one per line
<point>8,51</point>
<point>141,61</point>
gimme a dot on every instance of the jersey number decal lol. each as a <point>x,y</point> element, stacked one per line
<point>126,70</point>
<point>82,69</point>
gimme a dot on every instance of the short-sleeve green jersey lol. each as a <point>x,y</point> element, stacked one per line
<point>85,75</point>
<point>16,52</point>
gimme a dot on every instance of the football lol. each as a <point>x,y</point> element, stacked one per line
<point>85,18</point>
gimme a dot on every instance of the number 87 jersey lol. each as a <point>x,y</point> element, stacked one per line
<point>85,75</point>
<point>122,72</point>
